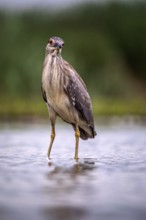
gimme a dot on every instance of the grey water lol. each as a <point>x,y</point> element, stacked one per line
<point>108,181</point>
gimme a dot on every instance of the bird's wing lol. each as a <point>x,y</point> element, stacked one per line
<point>78,95</point>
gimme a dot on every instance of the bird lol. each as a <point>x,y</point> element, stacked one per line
<point>65,95</point>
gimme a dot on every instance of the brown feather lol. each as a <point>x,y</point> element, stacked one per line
<point>66,93</point>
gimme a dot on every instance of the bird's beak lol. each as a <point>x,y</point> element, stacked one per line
<point>57,45</point>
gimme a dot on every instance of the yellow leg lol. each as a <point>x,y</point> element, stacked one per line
<point>51,141</point>
<point>77,135</point>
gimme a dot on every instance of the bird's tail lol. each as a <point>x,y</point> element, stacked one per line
<point>86,132</point>
<point>85,135</point>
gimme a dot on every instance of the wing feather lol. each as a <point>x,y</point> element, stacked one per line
<point>79,97</point>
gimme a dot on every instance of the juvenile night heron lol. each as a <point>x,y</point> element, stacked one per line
<point>65,94</point>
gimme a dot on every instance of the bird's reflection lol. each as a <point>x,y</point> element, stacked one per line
<point>71,166</point>
<point>67,177</point>
<point>66,181</point>
<point>65,213</point>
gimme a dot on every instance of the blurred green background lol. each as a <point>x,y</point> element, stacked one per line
<point>105,43</point>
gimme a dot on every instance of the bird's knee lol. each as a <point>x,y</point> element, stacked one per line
<point>77,133</point>
<point>52,135</point>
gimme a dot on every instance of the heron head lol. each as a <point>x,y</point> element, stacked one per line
<point>55,45</point>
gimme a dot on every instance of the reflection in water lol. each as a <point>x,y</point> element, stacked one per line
<point>66,213</point>
<point>108,184</point>
<point>76,167</point>
<point>66,180</point>
<point>69,174</point>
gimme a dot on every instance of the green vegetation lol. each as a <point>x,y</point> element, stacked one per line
<point>105,43</point>
<point>106,107</point>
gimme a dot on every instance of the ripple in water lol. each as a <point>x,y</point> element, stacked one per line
<point>108,181</point>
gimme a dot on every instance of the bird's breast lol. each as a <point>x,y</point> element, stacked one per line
<point>53,83</point>
<point>52,78</point>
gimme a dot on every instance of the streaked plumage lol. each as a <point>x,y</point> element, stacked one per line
<point>65,94</point>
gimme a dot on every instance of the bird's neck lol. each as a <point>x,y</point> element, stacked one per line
<point>53,52</point>
<point>52,60</point>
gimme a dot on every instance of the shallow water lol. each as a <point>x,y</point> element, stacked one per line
<point>108,181</point>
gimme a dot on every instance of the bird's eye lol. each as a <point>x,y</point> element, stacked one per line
<point>50,42</point>
<point>63,45</point>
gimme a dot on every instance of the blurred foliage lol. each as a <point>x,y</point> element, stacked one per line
<point>106,107</point>
<point>106,44</point>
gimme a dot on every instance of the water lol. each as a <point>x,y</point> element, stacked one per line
<point>108,182</point>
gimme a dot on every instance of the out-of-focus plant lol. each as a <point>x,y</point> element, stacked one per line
<point>105,43</point>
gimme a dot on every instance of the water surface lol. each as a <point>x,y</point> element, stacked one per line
<point>108,181</point>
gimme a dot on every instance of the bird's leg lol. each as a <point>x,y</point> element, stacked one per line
<point>52,119</point>
<point>51,140</point>
<point>77,135</point>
